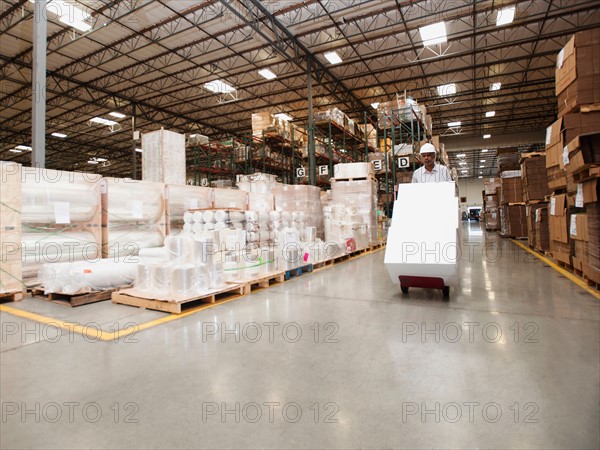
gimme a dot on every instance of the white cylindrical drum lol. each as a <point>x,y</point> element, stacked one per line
<point>129,241</point>
<point>188,228</point>
<point>251,216</point>
<point>188,217</point>
<point>160,279</point>
<point>197,227</point>
<point>208,216</point>
<point>274,215</point>
<point>221,216</point>
<point>209,226</point>
<point>198,216</point>
<point>237,216</point>
<point>143,278</point>
<point>59,247</point>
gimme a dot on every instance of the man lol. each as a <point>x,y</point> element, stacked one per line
<point>430,172</point>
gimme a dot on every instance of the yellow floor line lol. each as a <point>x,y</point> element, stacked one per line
<point>575,279</point>
<point>103,335</point>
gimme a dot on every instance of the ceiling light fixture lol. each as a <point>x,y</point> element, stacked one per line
<point>487,136</point>
<point>139,150</point>
<point>333,57</point>
<point>118,115</point>
<point>219,86</point>
<point>482,160</point>
<point>14,150</point>
<point>69,14</point>
<point>375,105</point>
<point>92,161</point>
<point>102,121</point>
<point>266,73</point>
<point>490,114</point>
<point>505,16</point>
<point>495,86</point>
<point>433,34</point>
<point>446,89</point>
<point>461,155</point>
<point>59,135</point>
<point>462,163</point>
<point>485,150</point>
<point>24,147</point>
<point>454,124</point>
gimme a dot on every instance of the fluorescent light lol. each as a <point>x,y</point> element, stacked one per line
<point>92,161</point>
<point>267,74</point>
<point>59,135</point>
<point>118,115</point>
<point>505,16</point>
<point>485,150</point>
<point>482,160</point>
<point>479,177</point>
<point>218,86</point>
<point>23,147</point>
<point>447,89</point>
<point>375,105</point>
<point>487,136</point>
<point>454,124</point>
<point>139,150</point>
<point>464,171</point>
<point>102,121</point>
<point>283,116</point>
<point>433,34</point>
<point>333,57</point>
<point>495,86</point>
<point>14,150</point>
<point>69,14</point>
<point>481,167</point>
<point>462,163</point>
<point>490,114</point>
<point>101,159</point>
<point>461,155</point>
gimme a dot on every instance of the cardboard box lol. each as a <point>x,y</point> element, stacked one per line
<point>578,229</point>
<point>512,190</point>
<point>590,190</point>
<point>542,229</point>
<point>535,179</point>
<point>557,218</point>
<point>581,152</point>
<point>577,58</point>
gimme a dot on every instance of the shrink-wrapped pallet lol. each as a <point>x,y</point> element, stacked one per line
<point>301,198</point>
<point>163,159</point>
<point>10,228</point>
<point>181,199</point>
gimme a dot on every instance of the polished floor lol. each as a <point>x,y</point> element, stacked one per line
<point>336,359</point>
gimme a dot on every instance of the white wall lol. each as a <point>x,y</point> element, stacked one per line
<point>470,188</point>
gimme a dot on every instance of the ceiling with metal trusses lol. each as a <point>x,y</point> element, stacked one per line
<point>152,58</point>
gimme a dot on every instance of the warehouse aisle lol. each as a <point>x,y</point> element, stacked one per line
<point>336,359</point>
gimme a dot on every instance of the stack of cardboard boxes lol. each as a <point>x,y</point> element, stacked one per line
<point>535,189</point>
<point>573,157</point>
<point>491,202</point>
<point>513,214</point>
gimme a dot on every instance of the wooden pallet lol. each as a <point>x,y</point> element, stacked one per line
<point>532,155</point>
<point>564,265</point>
<point>369,178</point>
<point>587,173</point>
<point>323,264</point>
<point>6,297</point>
<point>589,108</point>
<point>265,282</point>
<point>73,300</point>
<point>298,271</point>
<point>128,297</point>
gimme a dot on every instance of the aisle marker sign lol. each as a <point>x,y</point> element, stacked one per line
<point>323,170</point>
<point>403,162</point>
<point>300,172</point>
<point>377,165</point>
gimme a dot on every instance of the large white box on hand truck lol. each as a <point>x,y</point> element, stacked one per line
<point>423,240</point>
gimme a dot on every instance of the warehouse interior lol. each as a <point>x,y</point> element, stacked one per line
<point>213,234</point>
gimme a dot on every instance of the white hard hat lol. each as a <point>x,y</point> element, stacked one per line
<point>427,148</point>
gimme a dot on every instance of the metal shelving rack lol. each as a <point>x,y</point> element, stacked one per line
<point>215,160</point>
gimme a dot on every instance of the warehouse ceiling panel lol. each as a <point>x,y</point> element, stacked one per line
<point>153,58</point>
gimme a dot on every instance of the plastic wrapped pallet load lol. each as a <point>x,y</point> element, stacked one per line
<point>180,199</point>
<point>163,159</point>
<point>424,237</point>
<point>10,228</point>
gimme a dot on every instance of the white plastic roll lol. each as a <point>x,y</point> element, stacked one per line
<point>183,281</point>
<point>221,226</point>
<point>253,237</point>
<point>286,216</point>
<point>237,216</point>
<point>264,235</point>
<point>252,226</point>
<point>160,279</point>
<point>180,249</point>
<point>156,254</point>
<point>102,274</point>
<point>142,278</point>
<point>198,217</point>
<point>251,216</point>
<point>58,247</point>
<point>221,216</point>
<point>208,216</point>
<point>310,234</point>
<point>188,227</point>
<point>133,201</point>
<point>129,241</point>
<point>277,225</point>
<point>209,226</point>
<point>202,278</point>
<point>275,215</point>
<point>296,215</point>
<point>188,217</point>
<point>301,215</point>
<point>197,227</point>
<point>217,276</point>
<point>205,249</point>
<point>286,223</point>
<point>40,196</point>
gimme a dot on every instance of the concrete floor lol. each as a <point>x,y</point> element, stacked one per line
<point>372,368</point>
